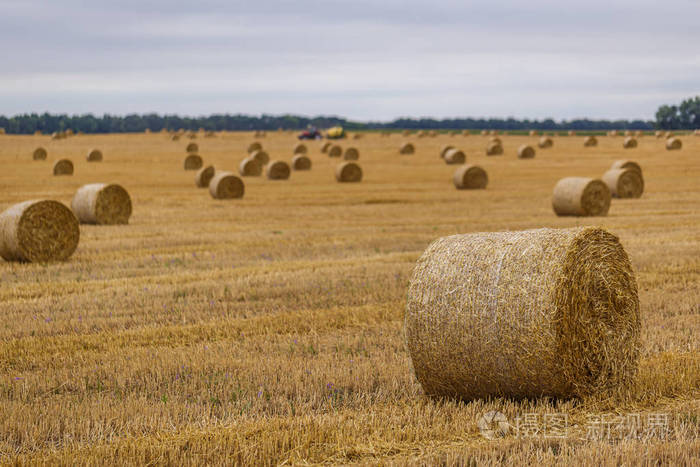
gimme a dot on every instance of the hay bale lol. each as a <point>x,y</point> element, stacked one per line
<point>252,147</point>
<point>39,154</point>
<point>669,134</point>
<point>493,132</point>
<point>659,133</point>
<point>545,142</point>
<point>192,148</point>
<point>262,156</point>
<point>193,162</point>
<point>301,162</point>
<point>546,312</point>
<point>534,133</point>
<point>94,155</point>
<point>444,150</point>
<point>335,151</point>
<point>470,177</point>
<point>613,133</point>
<point>420,133</point>
<point>494,149</point>
<point>175,137</point>
<point>626,164</point>
<point>628,133</point>
<point>581,196</point>
<point>674,144</point>
<point>38,231</point>
<point>454,156</point>
<point>250,167</point>
<point>63,167</point>
<point>277,170</point>
<point>348,172</point>
<point>629,143</point>
<point>624,183</point>
<point>351,154</point>
<point>465,132</point>
<point>526,152</point>
<point>204,176</point>
<point>226,185</point>
<point>407,148</point>
<point>639,133</point>
<point>102,203</point>
<point>325,146</point>
<point>484,133</point>
<point>495,139</point>
<point>590,141</point>
<point>572,133</point>
<point>406,132</point>
<point>357,136</point>
<point>300,149</point>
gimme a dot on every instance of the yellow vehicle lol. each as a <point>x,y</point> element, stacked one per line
<point>336,132</point>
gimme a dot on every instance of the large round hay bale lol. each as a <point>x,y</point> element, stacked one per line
<point>407,148</point>
<point>526,152</point>
<point>335,151</point>
<point>546,312</point>
<point>255,146</point>
<point>624,183</point>
<point>470,177</point>
<point>63,167</point>
<point>250,167</point>
<point>39,154</point>
<point>455,156</point>
<point>674,144</point>
<point>545,142</point>
<point>325,146</point>
<point>581,196</point>
<point>94,155</point>
<point>300,149</point>
<point>192,148</point>
<point>38,231</point>
<point>226,185</point>
<point>301,162</point>
<point>590,141</point>
<point>193,162</point>
<point>204,176</point>
<point>102,203</point>
<point>494,149</point>
<point>444,150</point>
<point>626,164</point>
<point>261,156</point>
<point>277,170</point>
<point>351,154</point>
<point>629,143</point>
<point>348,172</point>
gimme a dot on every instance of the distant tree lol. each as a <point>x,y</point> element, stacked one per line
<point>685,116</point>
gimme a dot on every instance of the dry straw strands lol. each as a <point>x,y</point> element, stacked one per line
<point>407,148</point>
<point>193,162</point>
<point>255,146</point>
<point>626,164</point>
<point>629,143</point>
<point>300,149</point>
<point>674,144</point>
<point>470,177</point>
<point>226,185</point>
<point>38,231</point>
<point>94,155</point>
<point>261,156</point>
<point>39,154</point>
<point>204,176</point>
<point>277,170</point>
<point>63,167</point>
<point>102,203</point>
<point>348,172</point>
<point>301,162</point>
<point>546,312</point>
<point>455,156</point>
<point>444,150</point>
<point>494,149</point>
<point>325,146</point>
<point>545,142</point>
<point>526,152</point>
<point>192,148</point>
<point>335,151</point>
<point>351,154</point>
<point>624,183</point>
<point>250,167</point>
<point>581,196</point>
<point>590,141</point>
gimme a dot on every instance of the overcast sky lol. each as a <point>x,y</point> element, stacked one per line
<point>361,59</point>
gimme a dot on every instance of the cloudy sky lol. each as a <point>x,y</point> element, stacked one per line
<point>362,59</point>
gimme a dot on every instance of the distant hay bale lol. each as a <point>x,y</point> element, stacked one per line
<point>659,134</point>
<point>534,133</point>
<point>55,135</point>
<point>420,133</point>
<point>444,150</point>
<point>626,164</point>
<point>192,135</point>
<point>63,167</point>
<point>2,131</point>
<point>406,132</point>
<point>455,156</point>
<point>357,136</point>
<point>325,146</point>
<point>69,132</point>
<point>453,133</point>
<point>545,142</point>
<point>301,162</point>
<point>209,134</point>
<point>300,149</point>
<point>39,154</point>
<point>38,231</point>
<point>470,177</point>
<point>613,133</point>
<point>494,149</point>
<point>628,133</point>
<point>250,167</point>
<point>465,132</point>
<point>204,176</point>
<point>407,148</point>
<point>193,162</point>
<point>277,170</point>
<point>572,133</point>
<point>252,147</point>
<point>94,155</point>
<point>37,133</point>
<point>262,156</point>
<point>348,172</point>
<point>484,132</point>
<point>546,312</point>
<point>432,133</point>
<point>495,139</point>
<point>674,144</point>
<point>175,137</point>
<point>102,203</point>
<point>639,133</point>
<point>493,132</point>
<point>590,141</point>
<point>624,183</point>
<point>669,134</point>
<point>629,143</point>
<point>581,196</point>
<point>335,151</point>
<point>226,185</point>
<point>192,148</point>
<point>526,152</point>
<point>351,154</point>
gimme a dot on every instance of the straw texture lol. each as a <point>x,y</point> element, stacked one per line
<point>204,176</point>
<point>526,152</point>
<point>39,154</point>
<point>590,141</point>
<point>494,149</point>
<point>94,155</point>
<point>63,167</point>
<point>470,177</point>
<point>626,164</point>
<point>351,154</point>
<point>102,203</point>
<point>325,146</point>
<point>250,167</point>
<point>300,149</point>
<point>193,162</point>
<point>277,170</point>
<point>444,150</point>
<point>255,146</point>
<point>674,144</point>
<point>581,196</point>
<point>226,185</point>
<point>335,151</point>
<point>348,172</point>
<point>192,148</point>
<point>629,143</point>
<point>454,156</point>
<point>545,142</point>
<point>301,162</point>
<point>407,148</point>
<point>624,183</point>
<point>261,156</point>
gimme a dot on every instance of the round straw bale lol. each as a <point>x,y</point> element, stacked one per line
<point>38,231</point>
<point>204,176</point>
<point>357,136</point>
<point>300,149</point>
<point>301,162</point>
<point>493,132</point>
<point>629,143</point>
<point>669,134</point>
<point>444,150</point>
<point>102,203</point>
<point>250,167</point>
<point>175,137</point>
<point>351,154</point>
<point>226,185</point>
<point>495,139</point>
<point>348,172</point>
<point>94,155</point>
<point>545,142</point>
<point>421,133</point>
<point>465,132</point>
<point>484,132</point>
<point>262,156</point>
<point>454,156</point>
<point>469,177</point>
<point>572,133</point>
<point>494,149</point>
<point>193,162</point>
<point>335,151</point>
<point>39,154</point>
<point>624,183</point>
<point>63,167</point>
<point>432,133</point>
<point>406,132</point>
<point>612,133</point>
<point>546,312</point>
<point>628,133</point>
<point>252,147</point>
<point>674,144</point>
<point>581,196</point>
<point>639,133</point>
<point>590,141</point>
<point>526,152</point>
<point>407,148</point>
<point>534,133</point>
<point>192,148</point>
<point>325,146</point>
<point>626,164</point>
<point>659,133</point>
<point>277,170</point>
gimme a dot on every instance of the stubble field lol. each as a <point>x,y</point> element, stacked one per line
<point>268,330</point>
